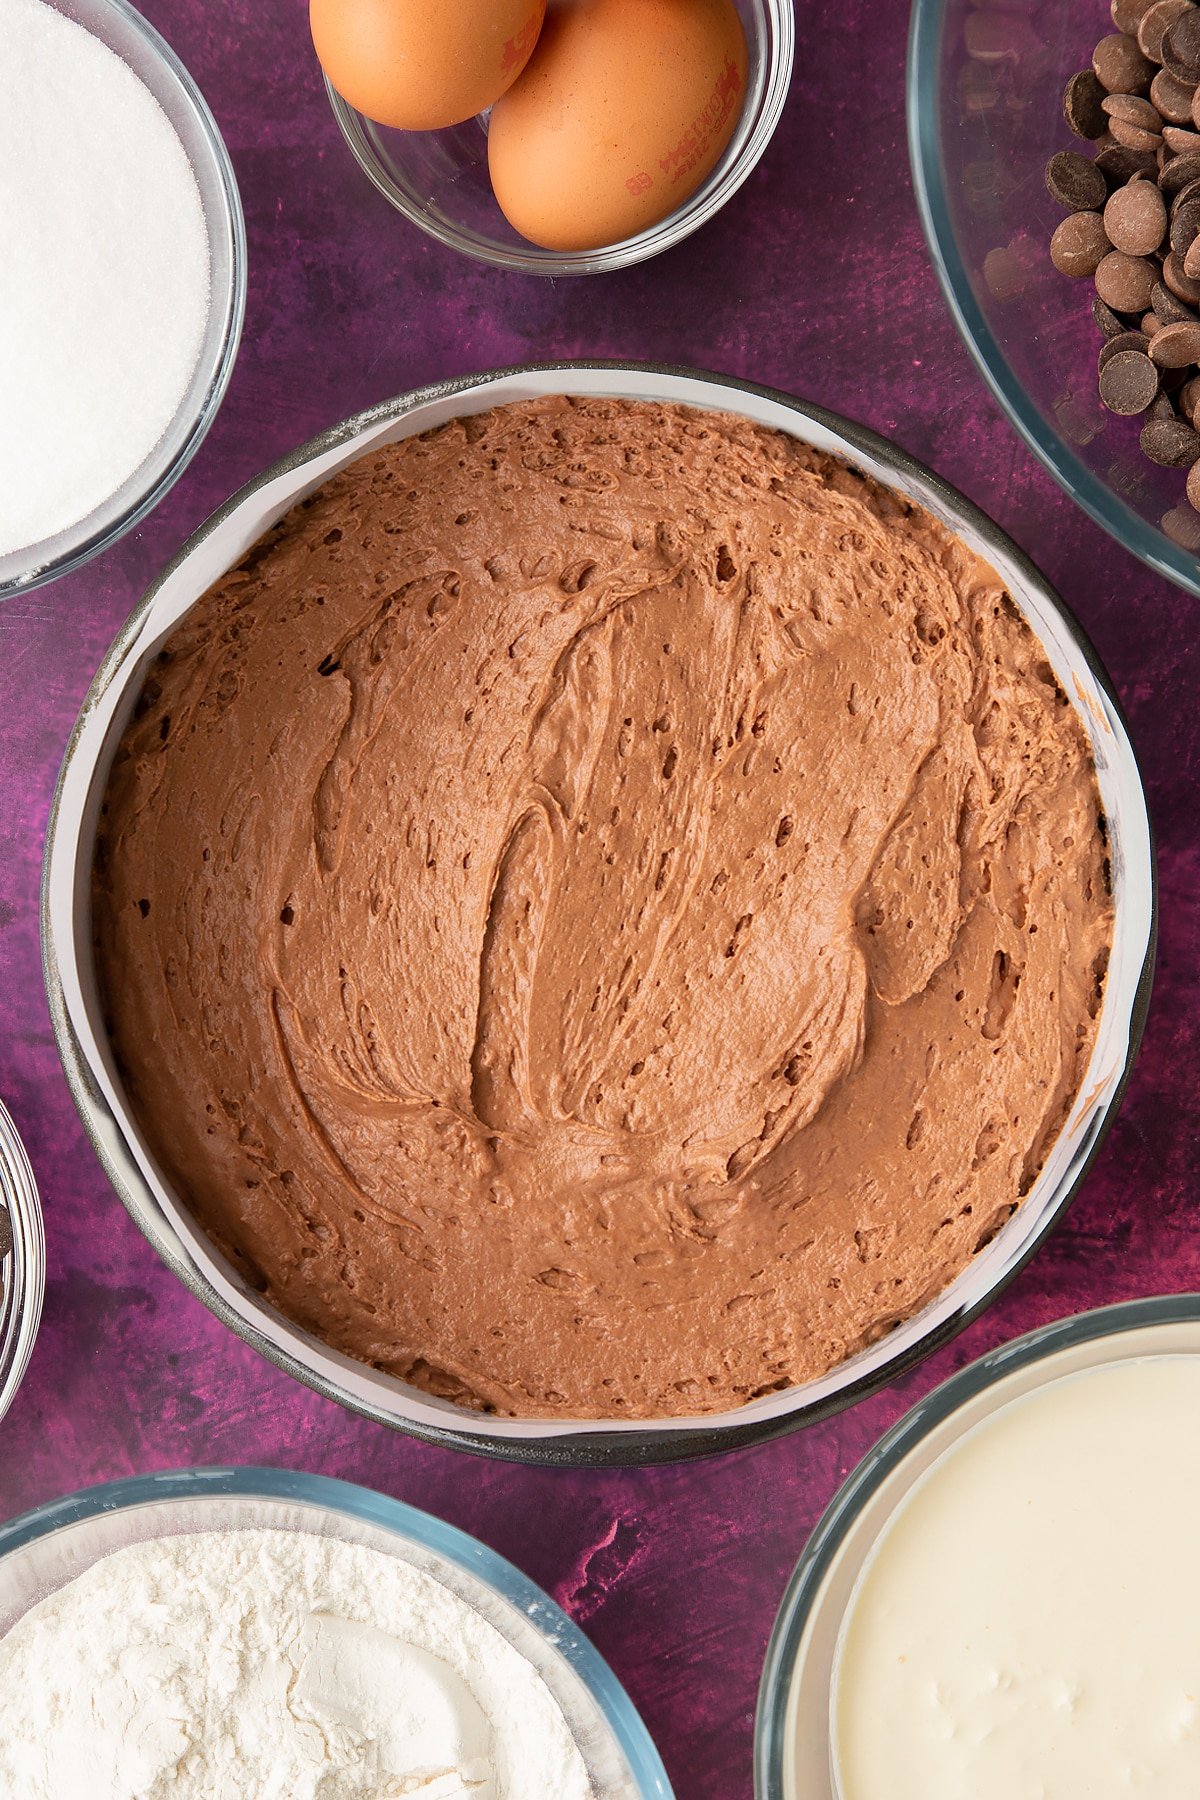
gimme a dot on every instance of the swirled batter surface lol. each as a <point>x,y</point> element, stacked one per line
<point>603,911</point>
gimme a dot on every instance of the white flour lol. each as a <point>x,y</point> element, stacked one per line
<point>272,1665</point>
<point>104,290</point>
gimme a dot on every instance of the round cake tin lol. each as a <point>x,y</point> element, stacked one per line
<point>439,179</point>
<point>156,65</point>
<point>985,113</point>
<point>22,1261</point>
<point>165,1220</point>
<point>792,1749</point>
<point>56,1543</point>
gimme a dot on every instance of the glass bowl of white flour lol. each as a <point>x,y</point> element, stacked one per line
<point>123,283</point>
<point>265,1635</point>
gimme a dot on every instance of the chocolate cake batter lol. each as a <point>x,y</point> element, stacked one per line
<point>603,912</point>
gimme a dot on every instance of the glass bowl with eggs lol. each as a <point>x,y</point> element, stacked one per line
<point>555,139</point>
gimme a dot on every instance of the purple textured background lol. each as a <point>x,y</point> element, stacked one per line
<point>814,278</point>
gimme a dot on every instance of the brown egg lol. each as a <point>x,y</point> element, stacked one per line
<point>423,64</point>
<point>622,110</point>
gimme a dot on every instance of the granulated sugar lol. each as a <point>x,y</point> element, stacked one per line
<point>104,287</point>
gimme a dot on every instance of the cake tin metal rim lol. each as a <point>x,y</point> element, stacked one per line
<point>697,210</point>
<point>232,224</point>
<point>587,1446</point>
<point>1102,504</point>
<point>21,1298</point>
<point>350,1499</point>
<point>882,1458</point>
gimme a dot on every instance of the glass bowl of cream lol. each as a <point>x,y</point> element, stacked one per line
<point>112,379</point>
<point>191,1626</point>
<point>1003,1591</point>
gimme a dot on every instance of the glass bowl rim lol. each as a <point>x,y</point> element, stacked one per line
<point>700,206</point>
<point>878,1463</point>
<point>584,1446</point>
<point>22,1295</point>
<point>349,1499</point>
<point>1104,507</point>
<point>231,222</point>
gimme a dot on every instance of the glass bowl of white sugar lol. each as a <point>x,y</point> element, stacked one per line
<point>260,1631</point>
<point>123,283</point>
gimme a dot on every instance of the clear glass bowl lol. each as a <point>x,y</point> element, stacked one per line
<point>22,1261</point>
<point>439,179</point>
<point>54,1544</point>
<point>125,32</point>
<point>792,1751</point>
<point>985,90</point>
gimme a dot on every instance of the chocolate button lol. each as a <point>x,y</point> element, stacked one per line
<point>1123,282</point>
<point>1193,485</point>
<point>1181,47</point>
<point>1172,99</point>
<point>1131,111</point>
<point>1134,137</point>
<point>1079,246</point>
<point>1127,15</point>
<point>1176,346</point>
<point>1135,219</point>
<point>1128,340</point>
<point>1128,383</point>
<point>1081,105</point>
<point>1105,318</point>
<point>1190,191</point>
<point>1120,66</point>
<point>1185,223</point>
<point>1076,182</point>
<point>1179,171</point>
<point>1118,164</point>
<point>1177,278</point>
<point>1170,443</point>
<point>1156,22</point>
<point>1170,311</point>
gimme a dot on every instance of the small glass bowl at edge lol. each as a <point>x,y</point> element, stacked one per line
<point>23,1268</point>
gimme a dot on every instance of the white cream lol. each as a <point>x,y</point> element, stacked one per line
<point>1028,1626</point>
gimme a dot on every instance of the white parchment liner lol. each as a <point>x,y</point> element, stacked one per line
<point>220,544</point>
